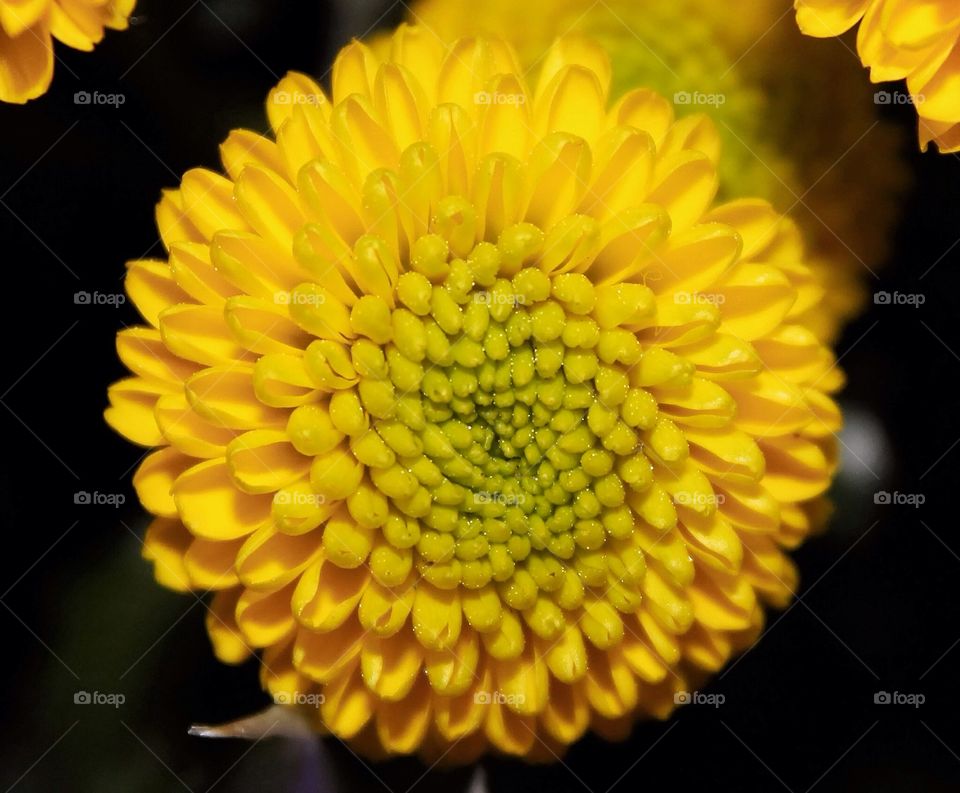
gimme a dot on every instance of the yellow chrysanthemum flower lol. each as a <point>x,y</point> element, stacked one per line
<point>761,82</point>
<point>27,30</point>
<point>484,423</point>
<point>900,39</point>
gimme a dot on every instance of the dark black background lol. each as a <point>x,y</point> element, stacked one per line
<point>78,186</point>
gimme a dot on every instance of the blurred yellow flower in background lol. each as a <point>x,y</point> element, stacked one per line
<point>796,120</point>
<point>27,30</point>
<point>487,424</point>
<point>897,40</point>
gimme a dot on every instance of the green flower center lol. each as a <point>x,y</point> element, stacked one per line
<point>505,423</point>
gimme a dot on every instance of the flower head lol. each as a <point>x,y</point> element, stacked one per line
<point>27,30</point>
<point>484,423</point>
<point>760,81</point>
<point>919,42</point>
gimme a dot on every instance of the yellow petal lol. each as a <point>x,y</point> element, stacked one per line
<point>828,18</point>
<point>559,171</point>
<point>199,334</point>
<point>567,656</point>
<point>400,102</point>
<point>573,49</point>
<point>172,221</point>
<point>26,68</point>
<point>347,706</point>
<point>567,714</point>
<point>646,110</point>
<point>722,602</point>
<point>509,732</point>
<point>523,682</point>
<point>797,469</point>
<point>207,200</point>
<point>143,352</point>
<point>293,91</point>
<point>401,726</point>
<point>326,656</point>
<point>624,158</point>
<point>243,147</point>
<point>152,289</point>
<point>437,617</point>
<point>685,185</point>
<point>609,684</point>
<point>264,618</point>
<point>154,480</point>
<point>228,643</point>
<point>354,70</point>
<point>269,204</point>
<point>573,101</point>
<point>281,380</point>
<point>383,611</point>
<point>253,265</point>
<point>187,430</point>
<point>224,395</point>
<point>451,672</point>
<point>197,275</point>
<point>165,544</point>
<point>263,461</point>
<point>212,507</point>
<point>131,411</point>
<point>210,564</point>
<point>391,665</point>
<point>17,16</point>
